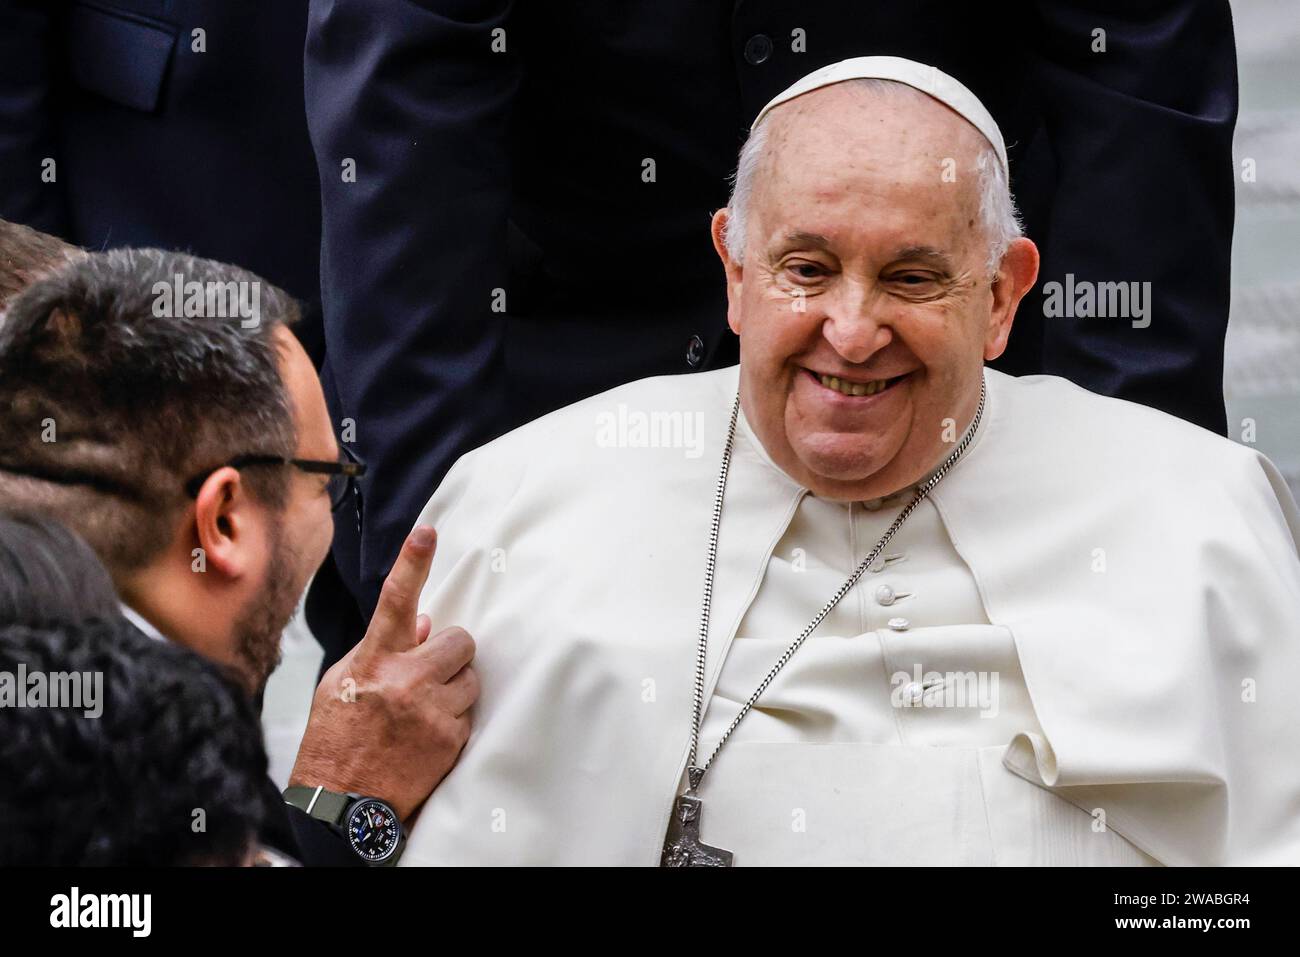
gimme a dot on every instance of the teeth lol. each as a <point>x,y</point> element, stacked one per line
<point>852,388</point>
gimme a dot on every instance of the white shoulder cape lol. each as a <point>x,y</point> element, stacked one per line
<point>1166,685</point>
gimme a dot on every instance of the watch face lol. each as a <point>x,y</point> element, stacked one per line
<point>373,830</point>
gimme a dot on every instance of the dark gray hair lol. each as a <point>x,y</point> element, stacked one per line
<point>109,403</point>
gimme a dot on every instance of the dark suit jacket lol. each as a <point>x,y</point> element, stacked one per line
<point>157,144</point>
<point>482,173</point>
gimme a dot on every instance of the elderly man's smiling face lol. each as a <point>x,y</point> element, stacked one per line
<point>864,301</point>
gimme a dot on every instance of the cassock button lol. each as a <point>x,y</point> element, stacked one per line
<point>885,595</point>
<point>899,624</point>
<point>694,352</point>
<point>913,691</point>
<point>757,49</point>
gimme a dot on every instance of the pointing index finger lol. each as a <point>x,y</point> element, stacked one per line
<point>393,626</point>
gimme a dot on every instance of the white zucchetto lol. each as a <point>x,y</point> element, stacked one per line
<point>928,79</point>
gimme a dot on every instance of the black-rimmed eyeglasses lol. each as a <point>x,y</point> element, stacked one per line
<point>343,475</point>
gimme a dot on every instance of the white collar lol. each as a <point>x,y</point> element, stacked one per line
<point>135,618</point>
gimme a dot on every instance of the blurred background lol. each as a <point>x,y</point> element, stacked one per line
<point>1262,361</point>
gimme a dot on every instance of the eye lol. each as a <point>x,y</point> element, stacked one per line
<point>913,278</point>
<point>803,270</point>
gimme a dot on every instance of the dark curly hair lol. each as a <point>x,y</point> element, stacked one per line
<point>176,736</point>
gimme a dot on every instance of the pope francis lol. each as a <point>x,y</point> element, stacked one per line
<point>860,600</point>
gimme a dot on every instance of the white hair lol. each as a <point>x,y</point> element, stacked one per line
<point>998,217</point>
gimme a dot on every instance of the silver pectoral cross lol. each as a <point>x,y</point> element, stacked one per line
<point>683,847</point>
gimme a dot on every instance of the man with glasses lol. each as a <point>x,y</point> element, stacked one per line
<point>194,452</point>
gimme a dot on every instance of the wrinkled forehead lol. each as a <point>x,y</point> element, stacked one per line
<point>894,157</point>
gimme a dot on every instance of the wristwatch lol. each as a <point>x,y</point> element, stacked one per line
<point>373,831</point>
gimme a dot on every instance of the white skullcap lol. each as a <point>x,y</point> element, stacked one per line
<point>927,79</point>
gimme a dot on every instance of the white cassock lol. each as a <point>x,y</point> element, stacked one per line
<point>1082,648</point>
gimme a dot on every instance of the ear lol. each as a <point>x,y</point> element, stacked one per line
<point>1016,276</point>
<point>224,523</point>
<point>734,270</point>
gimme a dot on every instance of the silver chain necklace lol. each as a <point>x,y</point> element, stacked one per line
<point>683,847</point>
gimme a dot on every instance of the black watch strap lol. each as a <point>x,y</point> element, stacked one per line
<point>323,805</point>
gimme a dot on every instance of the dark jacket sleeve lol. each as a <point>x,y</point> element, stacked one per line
<point>415,96</point>
<point>292,831</point>
<point>1141,135</point>
<point>27,133</point>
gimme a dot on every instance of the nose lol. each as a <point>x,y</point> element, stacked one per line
<point>853,327</point>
